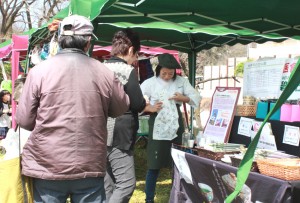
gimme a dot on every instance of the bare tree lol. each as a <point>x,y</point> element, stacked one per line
<point>50,8</point>
<point>20,15</point>
<point>213,56</point>
<point>28,16</point>
<point>10,10</point>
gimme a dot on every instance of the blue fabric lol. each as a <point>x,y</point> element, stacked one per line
<point>151,179</point>
<point>262,110</point>
<point>80,190</point>
<point>276,115</point>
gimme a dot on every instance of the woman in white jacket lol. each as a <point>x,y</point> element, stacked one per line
<point>166,126</point>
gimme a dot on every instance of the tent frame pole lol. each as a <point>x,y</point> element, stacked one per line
<point>192,56</point>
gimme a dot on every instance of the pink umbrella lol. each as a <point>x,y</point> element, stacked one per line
<point>19,43</point>
<point>5,51</point>
<point>145,52</point>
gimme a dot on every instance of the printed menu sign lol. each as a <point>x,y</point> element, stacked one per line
<point>262,79</point>
<point>291,135</point>
<point>222,111</point>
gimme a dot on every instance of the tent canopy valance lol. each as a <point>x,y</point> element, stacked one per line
<point>269,17</point>
<point>175,40</point>
<point>182,25</point>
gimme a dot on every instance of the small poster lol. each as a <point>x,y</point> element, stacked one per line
<point>266,129</point>
<point>291,135</point>
<point>245,126</point>
<point>222,111</point>
<point>182,165</point>
<point>267,141</point>
<point>286,73</point>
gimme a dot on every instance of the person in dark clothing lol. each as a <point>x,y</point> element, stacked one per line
<point>120,178</point>
<point>5,113</point>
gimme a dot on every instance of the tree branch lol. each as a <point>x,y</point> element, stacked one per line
<point>232,77</point>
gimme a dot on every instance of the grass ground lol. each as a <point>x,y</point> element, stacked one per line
<point>164,182</point>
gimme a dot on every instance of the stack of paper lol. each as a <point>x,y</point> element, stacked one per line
<point>223,147</point>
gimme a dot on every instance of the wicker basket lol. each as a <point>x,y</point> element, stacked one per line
<point>249,100</point>
<point>246,110</point>
<point>286,169</point>
<point>213,155</point>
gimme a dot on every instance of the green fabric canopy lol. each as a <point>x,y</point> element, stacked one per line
<point>261,17</point>
<point>179,25</point>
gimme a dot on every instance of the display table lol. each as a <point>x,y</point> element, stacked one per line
<point>277,128</point>
<point>218,176</point>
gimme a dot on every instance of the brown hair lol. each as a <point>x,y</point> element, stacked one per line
<point>123,40</point>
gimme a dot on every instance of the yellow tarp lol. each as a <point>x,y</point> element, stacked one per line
<point>11,189</point>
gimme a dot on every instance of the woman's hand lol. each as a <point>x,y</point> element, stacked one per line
<point>180,98</point>
<point>153,108</point>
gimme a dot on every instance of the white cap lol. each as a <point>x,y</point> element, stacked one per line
<point>80,25</point>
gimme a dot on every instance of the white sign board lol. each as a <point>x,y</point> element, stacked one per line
<point>267,139</point>
<point>245,126</point>
<point>262,79</point>
<point>222,110</point>
<point>291,135</point>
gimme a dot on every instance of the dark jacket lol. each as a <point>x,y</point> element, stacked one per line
<point>124,128</point>
<point>1,109</point>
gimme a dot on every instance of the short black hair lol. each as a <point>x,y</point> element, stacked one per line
<point>3,93</point>
<point>75,41</point>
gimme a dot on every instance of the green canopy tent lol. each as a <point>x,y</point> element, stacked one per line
<point>191,26</point>
<point>159,25</point>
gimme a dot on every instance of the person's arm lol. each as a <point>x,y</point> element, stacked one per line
<point>146,88</point>
<point>119,101</point>
<point>9,111</point>
<point>133,90</point>
<point>28,104</point>
<point>2,111</point>
<point>188,95</point>
<point>180,97</point>
<point>153,108</point>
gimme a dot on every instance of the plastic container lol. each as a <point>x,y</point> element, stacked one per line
<point>186,136</point>
<point>200,139</point>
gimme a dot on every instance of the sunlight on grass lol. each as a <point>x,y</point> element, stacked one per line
<point>164,183</point>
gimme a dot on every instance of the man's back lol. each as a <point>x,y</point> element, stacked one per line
<point>67,105</point>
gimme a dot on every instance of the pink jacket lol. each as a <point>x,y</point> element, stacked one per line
<point>65,102</point>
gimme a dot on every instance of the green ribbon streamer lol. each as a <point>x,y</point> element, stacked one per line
<point>246,163</point>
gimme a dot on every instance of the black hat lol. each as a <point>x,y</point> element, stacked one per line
<point>168,61</point>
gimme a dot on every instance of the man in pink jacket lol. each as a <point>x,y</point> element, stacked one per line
<point>65,103</point>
